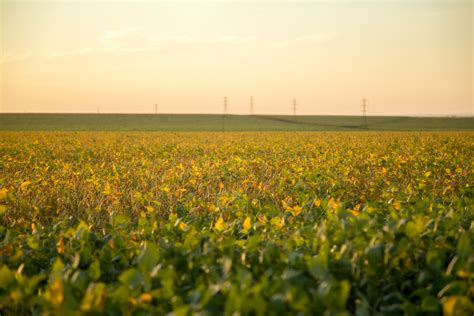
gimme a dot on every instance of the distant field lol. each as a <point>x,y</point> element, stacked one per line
<point>209,122</point>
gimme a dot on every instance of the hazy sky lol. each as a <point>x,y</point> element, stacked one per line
<point>406,57</point>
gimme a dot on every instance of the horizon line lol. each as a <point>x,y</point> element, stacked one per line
<point>243,114</point>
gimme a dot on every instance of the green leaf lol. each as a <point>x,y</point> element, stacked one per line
<point>430,304</point>
<point>413,229</point>
<point>340,293</point>
<point>464,246</point>
<point>7,277</point>
<point>34,241</point>
<point>132,278</point>
<point>181,311</point>
<point>334,294</point>
<point>454,288</point>
<point>82,230</point>
<point>375,255</point>
<point>120,294</point>
<point>119,219</point>
<point>94,270</point>
<point>253,242</point>
<point>57,269</point>
<point>148,257</point>
<point>318,265</point>
<point>93,298</point>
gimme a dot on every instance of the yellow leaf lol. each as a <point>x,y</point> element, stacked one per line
<point>247,224</point>
<point>149,209</point>
<point>25,184</point>
<point>356,210</point>
<point>146,297</point>
<point>396,205</point>
<point>56,284</point>
<point>296,210</point>
<point>453,305</point>
<point>219,225</point>
<point>448,305</point>
<point>427,174</point>
<point>370,210</point>
<point>183,226</point>
<point>278,222</point>
<point>60,246</point>
<point>333,204</point>
<point>111,243</point>
<point>355,213</point>
<point>464,274</point>
<point>262,218</point>
<point>221,185</point>
<point>3,193</point>
<point>55,292</point>
<point>317,202</point>
<point>106,190</point>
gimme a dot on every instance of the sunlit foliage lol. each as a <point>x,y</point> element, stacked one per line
<point>212,223</point>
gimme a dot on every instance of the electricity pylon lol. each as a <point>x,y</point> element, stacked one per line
<point>294,108</point>
<point>364,111</point>
<point>224,114</point>
<point>251,105</point>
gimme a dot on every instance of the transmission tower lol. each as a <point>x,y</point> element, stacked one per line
<point>364,110</point>
<point>156,108</point>
<point>294,108</point>
<point>224,114</point>
<point>251,105</point>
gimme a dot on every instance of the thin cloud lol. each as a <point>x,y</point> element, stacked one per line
<point>130,40</point>
<point>111,39</point>
<point>70,53</point>
<point>317,38</point>
<point>8,58</point>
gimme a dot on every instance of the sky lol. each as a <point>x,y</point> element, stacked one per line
<point>405,57</point>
